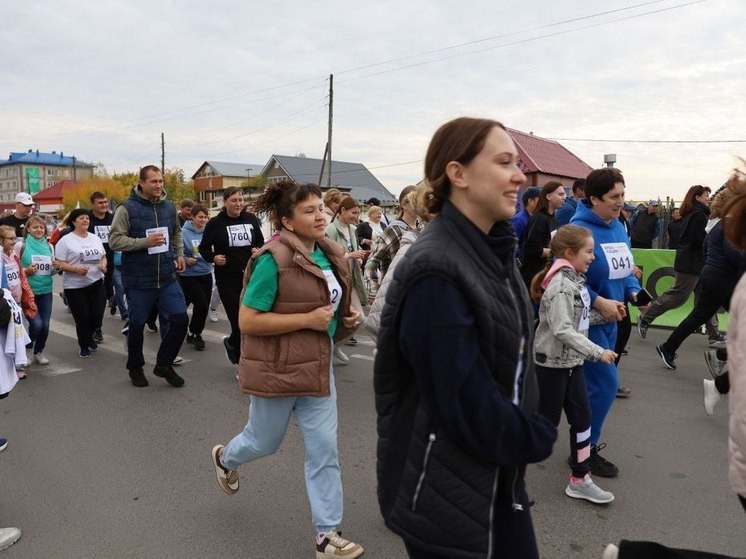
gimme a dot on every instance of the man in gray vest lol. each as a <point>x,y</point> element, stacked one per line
<point>146,230</point>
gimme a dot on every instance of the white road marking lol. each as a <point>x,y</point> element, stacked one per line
<point>112,343</point>
<point>365,357</point>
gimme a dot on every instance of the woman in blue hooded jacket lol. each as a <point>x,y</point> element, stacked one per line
<point>611,282</point>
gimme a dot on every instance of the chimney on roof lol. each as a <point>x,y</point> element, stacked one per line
<point>30,150</point>
<point>37,153</point>
<point>531,133</point>
<point>62,154</point>
<point>54,152</point>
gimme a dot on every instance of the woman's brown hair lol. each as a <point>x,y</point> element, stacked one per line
<point>687,206</point>
<point>279,199</point>
<point>546,190</point>
<point>34,219</point>
<point>567,237</point>
<point>459,140</point>
<point>735,224</point>
<point>346,202</point>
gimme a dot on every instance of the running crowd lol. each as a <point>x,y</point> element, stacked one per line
<point>532,318</point>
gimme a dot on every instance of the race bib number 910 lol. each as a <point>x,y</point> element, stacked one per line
<point>619,258</point>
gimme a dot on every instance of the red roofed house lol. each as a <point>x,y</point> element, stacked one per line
<point>543,160</point>
<point>49,200</point>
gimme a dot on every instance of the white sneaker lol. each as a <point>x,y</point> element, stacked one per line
<point>213,315</point>
<point>341,356</point>
<point>712,396</point>
<point>9,536</point>
<point>589,491</point>
<point>179,360</point>
<point>611,552</point>
<point>41,359</point>
<point>334,545</point>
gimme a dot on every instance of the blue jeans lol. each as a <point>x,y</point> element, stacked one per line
<point>317,418</point>
<point>39,326</point>
<point>169,300</point>
<point>119,291</point>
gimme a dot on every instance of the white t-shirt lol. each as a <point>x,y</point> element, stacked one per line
<point>80,251</point>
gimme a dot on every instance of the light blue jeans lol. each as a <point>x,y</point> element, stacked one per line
<point>317,417</point>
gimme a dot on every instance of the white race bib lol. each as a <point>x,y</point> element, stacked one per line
<point>160,248</point>
<point>90,254</point>
<point>335,290</point>
<point>619,258</point>
<point>43,264</point>
<point>13,274</point>
<point>102,232</point>
<point>585,321</point>
<point>239,235</point>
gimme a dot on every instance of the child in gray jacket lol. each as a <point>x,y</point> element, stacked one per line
<point>560,347</point>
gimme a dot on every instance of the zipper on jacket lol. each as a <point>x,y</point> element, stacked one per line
<point>517,507</point>
<point>491,533</point>
<point>430,442</point>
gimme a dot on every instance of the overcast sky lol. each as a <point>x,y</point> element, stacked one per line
<point>239,81</point>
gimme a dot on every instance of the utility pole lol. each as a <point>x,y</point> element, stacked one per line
<point>163,155</point>
<point>329,138</point>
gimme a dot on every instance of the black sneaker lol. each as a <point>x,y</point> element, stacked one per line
<point>190,338</point>
<point>230,353</point>
<point>199,343</point>
<point>600,466</point>
<point>167,372</point>
<point>98,336</point>
<point>92,345</point>
<point>112,310</point>
<point>138,378</point>
<point>152,327</point>
<point>623,392</point>
<point>668,357</point>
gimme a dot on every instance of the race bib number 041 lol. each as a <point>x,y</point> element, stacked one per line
<point>619,258</point>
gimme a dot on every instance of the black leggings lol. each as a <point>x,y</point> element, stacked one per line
<point>229,289</point>
<point>197,292</point>
<point>87,305</point>
<point>566,389</point>
<point>717,289</point>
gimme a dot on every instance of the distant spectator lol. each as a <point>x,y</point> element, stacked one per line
<point>645,226</point>
<point>24,208</point>
<point>674,229</point>
<point>563,215</point>
<point>520,220</point>
<point>185,211</point>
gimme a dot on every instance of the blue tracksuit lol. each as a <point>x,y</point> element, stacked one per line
<point>610,275</point>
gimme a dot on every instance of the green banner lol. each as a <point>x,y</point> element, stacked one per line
<point>657,277</point>
<point>32,178</point>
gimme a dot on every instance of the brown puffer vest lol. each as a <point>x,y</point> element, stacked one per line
<point>297,363</point>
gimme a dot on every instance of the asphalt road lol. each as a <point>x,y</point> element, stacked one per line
<point>97,468</point>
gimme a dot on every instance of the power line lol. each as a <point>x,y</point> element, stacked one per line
<point>495,37</point>
<point>523,41</point>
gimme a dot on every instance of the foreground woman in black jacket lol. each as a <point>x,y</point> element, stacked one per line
<point>455,386</point>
